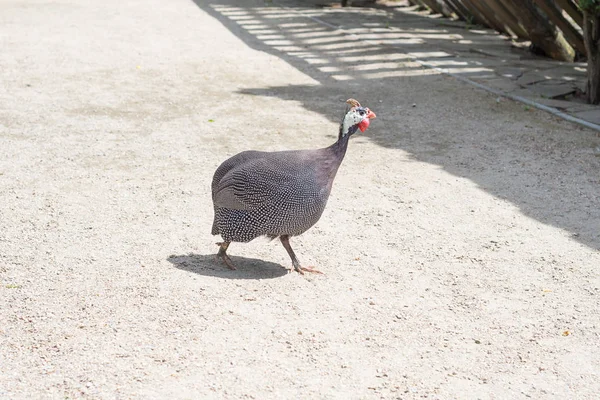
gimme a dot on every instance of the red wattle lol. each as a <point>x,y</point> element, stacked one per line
<point>364,124</point>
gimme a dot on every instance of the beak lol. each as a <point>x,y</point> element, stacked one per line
<point>371,114</point>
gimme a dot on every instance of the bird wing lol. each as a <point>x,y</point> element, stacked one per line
<point>233,163</point>
<point>251,184</point>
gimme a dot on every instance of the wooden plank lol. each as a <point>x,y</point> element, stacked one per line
<point>591,32</point>
<point>456,10</point>
<point>460,10</point>
<point>505,17</point>
<point>556,16</point>
<point>479,18</point>
<point>433,6</point>
<point>445,10</point>
<point>571,9</point>
<point>489,15</point>
<point>419,3</point>
<point>542,32</point>
<point>438,7</point>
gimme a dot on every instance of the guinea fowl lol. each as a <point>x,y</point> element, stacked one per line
<point>279,194</point>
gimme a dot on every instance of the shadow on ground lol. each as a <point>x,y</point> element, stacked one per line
<point>247,268</point>
<point>369,62</point>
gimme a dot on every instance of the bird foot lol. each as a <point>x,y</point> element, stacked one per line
<point>223,255</point>
<point>302,270</point>
<point>225,258</point>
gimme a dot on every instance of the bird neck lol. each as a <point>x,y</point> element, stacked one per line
<point>339,148</point>
<point>330,161</point>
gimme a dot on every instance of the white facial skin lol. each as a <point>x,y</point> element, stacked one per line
<point>352,118</point>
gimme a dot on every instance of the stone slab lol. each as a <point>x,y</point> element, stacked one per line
<point>530,77</point>
<point>566,73</point>
<point>591,116</point>
<point>502,84</point>
<point>510,72</point>
<point>550,89</point>
<point>565,105</point>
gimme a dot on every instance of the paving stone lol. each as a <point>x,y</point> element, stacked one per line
<point>527,93</point>
<point>481,62</point>
<point>566,73</point>
<point>591,116</point>
<point>510,72</point>
<point>473,73</point>
<point>430,54</point>
<point>552,89</point>
<point>500,53</point>
<point>581,84</point>
<point>581,107</point>
<point>530,77</point>
<point>563,105</point>
<point>498,83</point>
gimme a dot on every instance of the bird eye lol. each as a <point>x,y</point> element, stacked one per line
<point>361,112</point>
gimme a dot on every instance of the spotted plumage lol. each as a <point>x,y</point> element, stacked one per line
<point>278,194</point>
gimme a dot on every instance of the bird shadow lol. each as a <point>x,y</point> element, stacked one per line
<point>247,268</point>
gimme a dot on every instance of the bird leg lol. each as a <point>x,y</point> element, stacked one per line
<point>222,254</point>
<point>285,241</point>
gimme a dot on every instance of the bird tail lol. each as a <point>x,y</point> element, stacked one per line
<point>215,227</point>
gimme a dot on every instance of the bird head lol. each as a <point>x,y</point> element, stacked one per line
<point>356,117</point>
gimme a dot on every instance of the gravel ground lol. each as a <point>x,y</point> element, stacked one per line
<point>460,245</point>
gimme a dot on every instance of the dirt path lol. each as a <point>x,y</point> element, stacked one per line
<point>460,245</point>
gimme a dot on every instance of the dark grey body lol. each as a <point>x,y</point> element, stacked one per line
<point>273,193</point>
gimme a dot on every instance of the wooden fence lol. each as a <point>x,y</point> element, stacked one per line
<point>565,30</point>
<point>554,26</point>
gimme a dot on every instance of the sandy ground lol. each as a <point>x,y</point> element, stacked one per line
<point>460,246</point>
